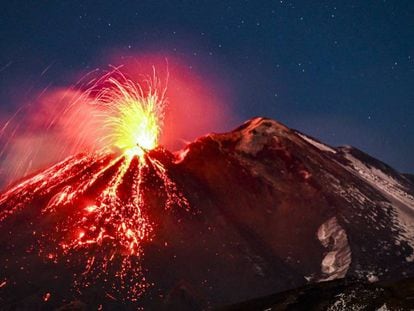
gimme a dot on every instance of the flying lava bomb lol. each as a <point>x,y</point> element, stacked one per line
<point>158,155</point>
<point>102,194</point>
<point>232,216</point>
<point>122,222</point>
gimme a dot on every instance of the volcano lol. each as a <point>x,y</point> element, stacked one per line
<point>234,216</point>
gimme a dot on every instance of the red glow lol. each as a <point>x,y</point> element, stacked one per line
<point>197,104</point>
<point>113,228</point>
<point>110,227</point>
<point>46,297</point>
<point>56,124</point>
<point>108,231</point>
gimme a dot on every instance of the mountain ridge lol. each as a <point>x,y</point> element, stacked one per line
<point>269,209</point>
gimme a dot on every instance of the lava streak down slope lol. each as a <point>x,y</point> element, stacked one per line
<point>94,212</point>
<point>231,217</point>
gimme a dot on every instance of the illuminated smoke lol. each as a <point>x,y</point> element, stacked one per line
<point>63,121</point>
<point>99,196</point>
<point>132,118</point>
<point>104,132</point>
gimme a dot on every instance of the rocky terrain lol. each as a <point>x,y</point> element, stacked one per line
<point>260,210</point>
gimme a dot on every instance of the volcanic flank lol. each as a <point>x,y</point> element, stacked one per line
<point>231,217</point>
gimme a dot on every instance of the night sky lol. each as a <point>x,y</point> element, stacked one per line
<point>341,71</point>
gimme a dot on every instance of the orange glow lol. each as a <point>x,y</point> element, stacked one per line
<point>109,228</point>
<point>125,109</point>
<point>90,208</point>
<point>198,102</point>
<point>46,297</point>
<point>131,117</point>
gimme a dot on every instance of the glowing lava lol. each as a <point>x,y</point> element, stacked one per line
<point>132,117</point>
<point>98,204</point>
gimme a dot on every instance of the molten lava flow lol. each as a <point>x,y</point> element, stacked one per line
<point>97,202</point>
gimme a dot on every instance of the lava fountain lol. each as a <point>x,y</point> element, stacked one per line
<point>96,206</point>
<point>133,117</point>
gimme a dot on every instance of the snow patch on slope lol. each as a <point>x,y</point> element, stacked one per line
<point>337,260</point>
<point>401,201</point>
<point>316,144</point>
<point>346,301</point>
<point>381,181</point>
<point>383,308</point>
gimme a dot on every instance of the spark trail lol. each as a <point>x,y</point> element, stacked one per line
<point>98,204</point>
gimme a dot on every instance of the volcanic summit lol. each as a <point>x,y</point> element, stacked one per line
<point>231,217</point>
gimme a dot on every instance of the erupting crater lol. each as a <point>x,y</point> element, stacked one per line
<point>234,216</point>
<point>94,206</point>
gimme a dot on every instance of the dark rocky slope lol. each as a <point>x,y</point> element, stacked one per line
<point>271,209</point>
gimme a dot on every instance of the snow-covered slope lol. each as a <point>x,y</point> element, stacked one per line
<point>396,189</point>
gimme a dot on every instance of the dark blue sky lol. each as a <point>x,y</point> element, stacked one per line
<point>342,71</point>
